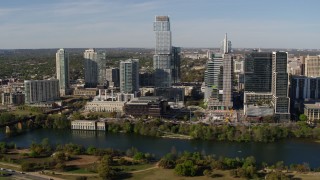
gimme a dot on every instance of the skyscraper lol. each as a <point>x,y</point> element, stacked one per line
<point>280,90</point>
<point>175,64</point>
<point>219,79</point>
<point>95,67</point>
<point>62,71</point>
<point>163,52</point>
<point>258,72</point>
<point>129,76</point>
<point>226,45</point>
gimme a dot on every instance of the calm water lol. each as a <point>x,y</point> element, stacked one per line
<point>289,151</point>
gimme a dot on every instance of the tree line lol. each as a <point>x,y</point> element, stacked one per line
<point>239,133</point>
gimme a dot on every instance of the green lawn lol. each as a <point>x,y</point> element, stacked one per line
<point>24,112</point>
<point>135,167</point>
<point>164,174</point>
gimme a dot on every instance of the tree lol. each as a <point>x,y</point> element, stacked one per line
<point>187,168</point>
<point>105,171</point>
<point>277,175</point>
<point>303,117</point>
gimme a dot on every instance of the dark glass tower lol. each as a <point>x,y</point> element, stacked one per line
<point>258,72</point>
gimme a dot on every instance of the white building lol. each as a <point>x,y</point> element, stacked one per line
<point>105,106</point>
<point>62,71</point>
<point>84,124</point>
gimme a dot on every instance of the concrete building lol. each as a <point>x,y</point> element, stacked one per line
<point>113,77</point>
<point>280,86</point>
<point>91,125</point>
<point>14,98</point>
<point>94,67</point>
<point>84,125</point>
<point>304,88</point>
<point>91,92</point>
<point>37,91</point>
<point>312,111</point>
<point>312,66</point>
<point>129,76</point>
<point>146,106</point>
<point>62,71</point>
<point>105,106</point>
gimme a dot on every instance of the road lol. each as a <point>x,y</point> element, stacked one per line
<point>22,175</point>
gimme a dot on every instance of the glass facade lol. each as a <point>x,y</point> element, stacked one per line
<point>62,70</point>
<point>258,72</point>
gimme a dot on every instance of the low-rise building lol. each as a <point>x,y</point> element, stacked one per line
<point>312,111</point>
<point>105,106</point>
<point>146,106</point>
<point>91,92</point>
<point>16,98</point>
<point>84,124</point>
<point>101,125</point>
<point>89,125</point>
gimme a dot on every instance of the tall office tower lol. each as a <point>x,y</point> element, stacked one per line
<point>62,71</point>
<point>163,52</point>
<point>175,64</point>
<point>312,66</point>
<point>113,77</point>
<point>227,81</point>
<point>219,80</point>
<point>213,69</point>
<point>280,90</point>
<point>94,67</point>
<point>129,76</point>
<point>37,91</point>
<point>258,72</point>
<point>257,83</point>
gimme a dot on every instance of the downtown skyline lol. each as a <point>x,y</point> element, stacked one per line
<point>106,24</point>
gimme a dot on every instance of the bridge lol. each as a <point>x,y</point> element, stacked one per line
<point>20,123</point>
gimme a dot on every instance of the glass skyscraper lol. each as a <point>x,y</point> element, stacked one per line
<point>129,76</point>
<point>62,70</point>
<point>163,52</point>
<point>258,72</point>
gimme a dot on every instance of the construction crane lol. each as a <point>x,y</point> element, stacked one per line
<point>229,115</point>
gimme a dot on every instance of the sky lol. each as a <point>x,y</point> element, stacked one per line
<point>28,24</point>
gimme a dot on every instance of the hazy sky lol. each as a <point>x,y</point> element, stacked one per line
<point>129,23</point>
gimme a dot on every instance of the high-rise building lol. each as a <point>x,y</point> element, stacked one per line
<point>312,66</point>
<point>37,91</point>
<point>226,45</point>
<point>175,64</point>
<point>94,67</point>
<point>62,71</point>
<point>129,76</point>
<point>219,80</point>
<point>113,77</point>
<point>280,90</point>
<point>258,72</point>
<point>213,70</point>
<point>227,97</point>
<point>162,60</point>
